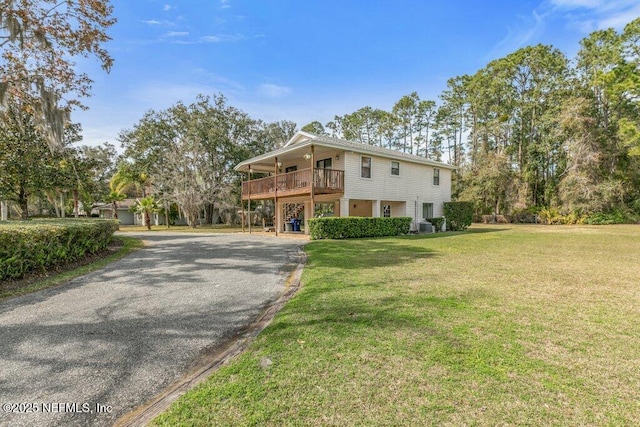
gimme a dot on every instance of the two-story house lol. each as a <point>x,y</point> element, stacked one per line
<point>315,176</point>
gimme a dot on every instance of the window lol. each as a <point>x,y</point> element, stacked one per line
<point>386,211</point>
<point>427,210</point>
<point>365,163</point>
<point>395,168</point>
<point>324,164</point>
<point>436,176</point>
<point>291,169</point>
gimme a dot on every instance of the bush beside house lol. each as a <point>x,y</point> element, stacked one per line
<point>353,227</point>
<point>459,215</point>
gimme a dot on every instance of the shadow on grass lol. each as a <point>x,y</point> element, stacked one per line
<point>458,233</point>
<point>374,316</point>
<point>380,251</point>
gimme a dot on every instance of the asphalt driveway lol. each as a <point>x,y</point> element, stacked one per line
<point>92,350</point>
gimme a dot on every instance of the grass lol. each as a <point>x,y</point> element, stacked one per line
<point>205,228</point>
<point>511,325</point>
<point>67,273</point>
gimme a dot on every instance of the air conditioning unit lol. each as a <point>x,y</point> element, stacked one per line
<point>425,227</point>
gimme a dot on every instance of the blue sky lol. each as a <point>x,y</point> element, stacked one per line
<point>310,60</point>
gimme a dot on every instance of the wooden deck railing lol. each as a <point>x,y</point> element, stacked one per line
<point>298,182</point>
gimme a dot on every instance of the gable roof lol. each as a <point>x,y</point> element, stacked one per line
<point>122,204</point>
<point>304,139</point>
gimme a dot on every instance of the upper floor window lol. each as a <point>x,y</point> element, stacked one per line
<point>395,168</point>
<point>323,164</point>
<point>436,176</point>
<point>291,169</point>
<point>365,169</point>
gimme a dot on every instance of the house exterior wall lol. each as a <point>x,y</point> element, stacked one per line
<point>302,163</point>
<point>414,186</point>
<point>398,209</point>
<point>360,207</point>
<point>124,216</point>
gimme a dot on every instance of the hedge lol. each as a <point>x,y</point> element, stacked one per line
<point>353,227</point>
<point>459,215</point>
<point>41,244</point>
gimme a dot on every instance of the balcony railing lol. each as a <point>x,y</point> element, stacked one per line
<point>295,183</point>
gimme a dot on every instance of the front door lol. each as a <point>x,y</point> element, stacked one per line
<point>321,174</point>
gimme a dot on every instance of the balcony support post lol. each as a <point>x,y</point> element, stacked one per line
<point>249,199</point>
<point>313,186</point>
<point>276,217</point>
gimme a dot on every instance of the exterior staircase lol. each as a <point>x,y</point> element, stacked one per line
<point>292,210</point>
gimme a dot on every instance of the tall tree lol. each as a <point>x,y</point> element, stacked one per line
<point>425,118</point>
<point>39,41</point>
<point>314,128</point>
<point>406,110</point>
<point>26,163</point>
<point>95,165</point>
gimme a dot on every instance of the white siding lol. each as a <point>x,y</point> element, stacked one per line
<point>302,163</point>
<point>413,186</point>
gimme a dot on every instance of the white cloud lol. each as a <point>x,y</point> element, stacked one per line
<point>573,4</point>
<point>273,91</point>
<point>590,15</point>
<point>211,39</point>
<point>224,4</point>
<point>620,19</point>
<point>525,29</point>
<point>221,38</point>
<point>167,7</point>
<point>177,33</point>
<point>151,22</point>
<point>584,16</point>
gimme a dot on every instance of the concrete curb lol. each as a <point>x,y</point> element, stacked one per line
<point>216,358</point>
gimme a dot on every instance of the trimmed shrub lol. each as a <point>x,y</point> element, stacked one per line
<point>40,244</point>
<point>437,222</point>
<point>353,227</point>
<point>459,215</point>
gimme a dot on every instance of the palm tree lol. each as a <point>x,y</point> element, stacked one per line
<point>117,188</point>
<point>146,206</point>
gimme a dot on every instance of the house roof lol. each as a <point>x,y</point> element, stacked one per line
<point>303,140</point>
<point>123,204</point>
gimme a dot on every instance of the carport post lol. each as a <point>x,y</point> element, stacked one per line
<point>242,204</point>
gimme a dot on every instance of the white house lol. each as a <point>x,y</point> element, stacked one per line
<point>123,210</point>
<point>315,176</point>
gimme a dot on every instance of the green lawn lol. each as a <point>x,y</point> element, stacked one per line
<point>533,325</point>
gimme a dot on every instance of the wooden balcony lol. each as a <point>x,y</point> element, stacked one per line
<point>295,184</point>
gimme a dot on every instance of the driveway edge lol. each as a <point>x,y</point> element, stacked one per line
<point>220,356</point>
